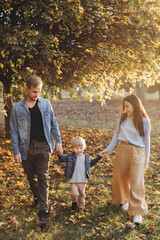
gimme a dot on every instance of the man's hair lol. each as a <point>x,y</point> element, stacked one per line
<point>78,141</point>
<point>34,81</point>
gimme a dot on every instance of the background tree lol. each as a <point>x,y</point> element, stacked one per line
<point>154,88</point>
<point>87,43</point>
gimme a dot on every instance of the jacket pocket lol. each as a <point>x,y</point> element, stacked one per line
<point>23,128</point>
<point>22,122</point>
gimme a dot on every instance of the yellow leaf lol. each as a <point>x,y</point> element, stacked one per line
<point>88,235</point>
<point>9,153</point>
<point>19,185</point>
<point>153,228</point>
<point>1,65</point>
<point>81,216</point>
<point>30,219</point>
<point>3,54</point>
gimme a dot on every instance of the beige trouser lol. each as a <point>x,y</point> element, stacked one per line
<point>78,193</point>
<point>128,178</point>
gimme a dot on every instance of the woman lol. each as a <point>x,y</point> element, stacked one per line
<point>132,136</point>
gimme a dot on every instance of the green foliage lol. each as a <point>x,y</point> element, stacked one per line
<point>87,43</point>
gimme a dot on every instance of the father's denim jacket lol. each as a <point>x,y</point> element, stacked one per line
<point>20,124</point>
<point>70,160</point>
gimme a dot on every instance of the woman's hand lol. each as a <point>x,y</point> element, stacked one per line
<point>145,167</point>
<point>104,153</point>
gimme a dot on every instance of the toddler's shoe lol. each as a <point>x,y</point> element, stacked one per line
<point>80,210</point>
<point>125,206</point>
<point>137,219</point>
<point>74,206</point>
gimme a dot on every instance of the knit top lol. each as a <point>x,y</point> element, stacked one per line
<point>79,175</point>
<point>128,132</point>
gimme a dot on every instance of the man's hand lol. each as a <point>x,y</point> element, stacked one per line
<point>59,148</point>
<point>18,158</point>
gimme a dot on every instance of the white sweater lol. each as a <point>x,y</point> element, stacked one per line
<point>128,132</point>
<point>79,175</point>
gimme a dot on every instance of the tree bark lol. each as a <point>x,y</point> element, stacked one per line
<point>7,99</point>
<point>140,90</point>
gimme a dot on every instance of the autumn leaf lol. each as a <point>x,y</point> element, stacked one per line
<point>81,216</point>
<point>153,228</point>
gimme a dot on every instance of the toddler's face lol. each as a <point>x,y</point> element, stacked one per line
<point>79,150</point>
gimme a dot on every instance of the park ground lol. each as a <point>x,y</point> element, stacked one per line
<point>101,219</point>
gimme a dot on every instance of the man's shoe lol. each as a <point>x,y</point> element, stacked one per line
<point>42,216</point>
<point>137,219</point>
<point>125,206</point>
<point>74,206</point>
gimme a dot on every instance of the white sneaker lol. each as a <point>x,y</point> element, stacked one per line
<point>137,219</point>
<point>125,206</point>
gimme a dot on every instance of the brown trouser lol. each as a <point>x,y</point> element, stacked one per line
<point>128,178</point>
<point>36,167</point>
<point>78,193</point>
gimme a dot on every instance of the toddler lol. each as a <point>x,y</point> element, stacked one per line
<point>77,169</point>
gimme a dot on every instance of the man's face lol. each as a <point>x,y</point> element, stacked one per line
<point>33,92</point>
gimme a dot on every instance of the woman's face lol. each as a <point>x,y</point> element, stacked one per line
<point>128,108</point>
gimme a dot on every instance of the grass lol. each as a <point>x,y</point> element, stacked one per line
<point>101,219</point>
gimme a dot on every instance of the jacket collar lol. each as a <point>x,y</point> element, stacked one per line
<point>73,153</point>
<point>23,102</point>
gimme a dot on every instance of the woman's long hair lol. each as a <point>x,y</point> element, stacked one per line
<point>138,112</point>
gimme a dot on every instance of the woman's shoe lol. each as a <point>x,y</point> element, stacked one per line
<point>125,206</point>
<point>137,219</point>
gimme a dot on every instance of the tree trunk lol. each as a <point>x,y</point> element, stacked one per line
<point>7,99</point>
<point>140,90</point>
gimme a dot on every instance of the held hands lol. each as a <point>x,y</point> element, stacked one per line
<point>104,153</point>
<point>59,148</point>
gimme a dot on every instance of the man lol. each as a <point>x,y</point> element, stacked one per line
<point>32,125</point>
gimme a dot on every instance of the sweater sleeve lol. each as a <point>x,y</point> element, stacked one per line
<point>146,139</point>
<point>114,140</point>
